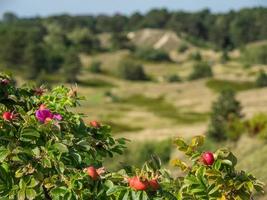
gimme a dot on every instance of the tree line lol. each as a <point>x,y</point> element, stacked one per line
<point>222,30</point>
<point>52,44</point>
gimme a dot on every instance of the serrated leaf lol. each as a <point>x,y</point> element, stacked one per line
<point>125,197</point>
<point>109,183</point>
<point>61,167</point>
<point>114,190</point>
<point>47,163</point>
<point>30,194</point>
<point>197,141</point>
<point>62,148</point>
<point>227,162</point>
<point>59,191</point>
<point>217,165</point>
<point>144,196</point>
<point>200,173</point>
<point>28,134</point>
<point>181,144</point>
<point>3,153</point>
<point>182,165</point>
<point>22,185</point>
<point>21,194</point>
<point>33,183</point>
<point>213,189</point>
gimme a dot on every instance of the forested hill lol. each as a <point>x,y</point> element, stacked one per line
<point>227,30</point>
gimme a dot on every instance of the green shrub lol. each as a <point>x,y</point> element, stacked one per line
<point>131,70</point>
<point>257,125</point>
<point>96,82</point>
<point>120,41</point>
<point>182,48</point>
<point>234,128</point>
<point>224,57</point>
<point>150,54</point>
<point>83,40</point>
<point>72,66</point>
<point>173,78</point>
<point>200,70</point>
<point>225,116</point>
<point>195,56</point>
<point>255,54</point>
<point>95,67</point>
<point>261,80</point>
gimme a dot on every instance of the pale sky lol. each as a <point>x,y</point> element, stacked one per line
<point>27,8</point>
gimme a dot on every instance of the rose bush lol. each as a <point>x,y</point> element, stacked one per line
<point>44,147</point>
<point>49,152</point>
<point>213,175</point>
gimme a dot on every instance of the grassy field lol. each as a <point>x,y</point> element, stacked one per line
<point>219,85</point>
<point>157,110</point>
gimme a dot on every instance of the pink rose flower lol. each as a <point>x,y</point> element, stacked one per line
<point>44,115</point>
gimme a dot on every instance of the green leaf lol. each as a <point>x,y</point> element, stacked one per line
<point>154,162</point>
<point>197,141</point>
<point>181,145</point>
<point>21,194</point>
<point>29,134</point>
<point>59,191</point>
<point>195,156</point>
<point>3,153</point>
<point>47,163</point>
<point>22,184</point>
<point>62,148</point>
<point>222,153</point>
<point>109,183</point>
<point>232,158</point>
<point>227,162</point>
<point>125,197</point>
<point>114,190</point>
<point>200,173</point>
<point>144,196</point>
<point>182,165</point>
<point>84,144</point>
<point>190,180</point>
<point>250,186</point>
<point>213,188</point>
<point>217,165</point>
<point>36,151</point>
<point>19,173</point>
<point>76,157</point>
<point>33,183</point>
<point>198,190</point>
<point>138,194</point>
<point>169,196</point>
<point>30,194</point>
<point>133,195</point>
<point>61,167</point>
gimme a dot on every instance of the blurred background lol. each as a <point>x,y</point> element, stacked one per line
<point>152,69</point>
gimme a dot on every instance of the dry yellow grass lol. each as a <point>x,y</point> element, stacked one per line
<point>191,96</point>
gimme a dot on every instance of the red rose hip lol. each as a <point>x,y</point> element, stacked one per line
<point>207,158</point>
<point>137,184</point>
<point>154,184</point>
<point>8,116</point>
<point>92,172</point>
<point>95,124</point>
